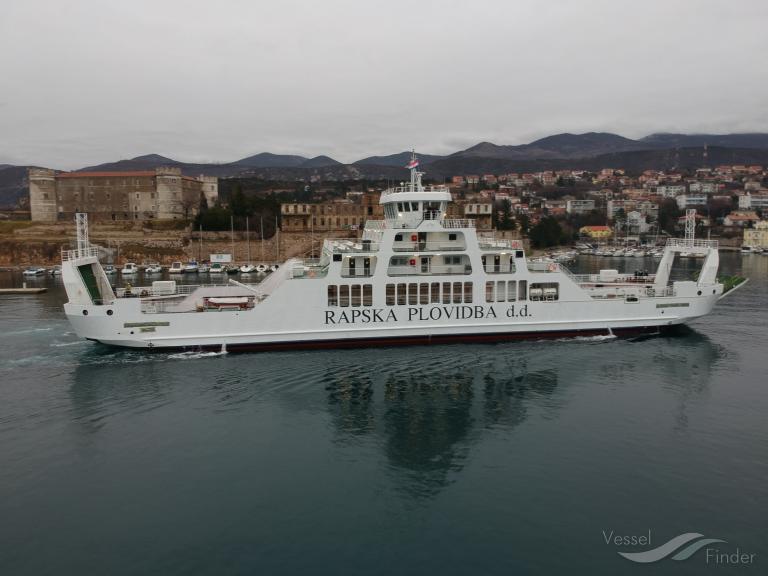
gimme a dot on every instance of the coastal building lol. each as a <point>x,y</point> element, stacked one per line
<point>163,193</point>
<point>481,213</point>
<point>703,187</point>
<point>306,217</point>
<point>757,201</point>
<point>691,200</point>
<point>579,206</point>
<point>757,236</point>
<point>742,219</point>
<point>596,232</point>
<point>670,190</point>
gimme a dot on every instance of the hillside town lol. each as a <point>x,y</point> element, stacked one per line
<point>548,208</point>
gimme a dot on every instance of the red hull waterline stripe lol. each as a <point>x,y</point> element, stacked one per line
<point>418,340</point>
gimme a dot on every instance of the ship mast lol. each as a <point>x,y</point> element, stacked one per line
<point>81,223</point>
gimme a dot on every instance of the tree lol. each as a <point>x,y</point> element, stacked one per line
<point>505,223</point>
<point>547,232</point>
<point>668,215</point>
<point>525,223</point>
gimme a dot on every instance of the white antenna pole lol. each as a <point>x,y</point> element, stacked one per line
<point>81,223</point>
<point>690,225</point>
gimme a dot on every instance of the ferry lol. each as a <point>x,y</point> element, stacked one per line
<point>418,276</point>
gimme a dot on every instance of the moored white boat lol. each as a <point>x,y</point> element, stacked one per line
<point>191,267</point>
<point>176,268</point>
<point>129,269</point>
<point>417,276</point>
<point>34,271</point>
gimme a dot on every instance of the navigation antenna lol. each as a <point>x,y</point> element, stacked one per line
<point>690,225</point>
<point>81,223</point>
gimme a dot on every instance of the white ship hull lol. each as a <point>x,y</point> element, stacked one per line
<point>298,315</point>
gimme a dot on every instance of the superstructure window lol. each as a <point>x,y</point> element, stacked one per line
<point>333,296</point>
<point>413,294</point>
<point>356,290</point>
<point>344,295</point>
<point>501,291</point>
<point>446,292</point>
<point>457,292</point>
<point>424,293</point>
<point>367,295</point>
<point>435,293</point>
<point>390,295</point>
<point>401,294</point>
<point>467,292</point>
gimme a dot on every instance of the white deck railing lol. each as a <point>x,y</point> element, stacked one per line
<point>79,253</point>
<point>403,189</point>
<point>695,243</point>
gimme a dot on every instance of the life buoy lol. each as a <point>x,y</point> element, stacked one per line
<point>414,237</point>
<point>412,262</point>
<point>552,267</point>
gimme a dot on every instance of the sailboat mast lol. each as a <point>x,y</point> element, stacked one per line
<point>277,241</point>
<point>261,231</point>
<point>232,236</point>
<point>248,238</point>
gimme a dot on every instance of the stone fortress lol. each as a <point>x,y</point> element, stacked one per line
<point>162,193</point>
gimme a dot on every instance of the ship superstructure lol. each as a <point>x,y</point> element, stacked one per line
<point>417,276</point>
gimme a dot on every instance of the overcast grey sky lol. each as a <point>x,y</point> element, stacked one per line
<point>88,81</point>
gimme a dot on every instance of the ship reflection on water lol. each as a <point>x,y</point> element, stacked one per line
<point>420,409</point>
<point>427,415</point>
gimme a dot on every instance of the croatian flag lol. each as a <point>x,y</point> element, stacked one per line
<point>412,164</point>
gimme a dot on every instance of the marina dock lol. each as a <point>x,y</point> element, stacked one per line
<point>22,290</point>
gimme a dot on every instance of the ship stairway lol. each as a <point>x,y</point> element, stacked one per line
<point>268,285</point>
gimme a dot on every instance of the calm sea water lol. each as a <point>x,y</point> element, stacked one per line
<point>462,459</point>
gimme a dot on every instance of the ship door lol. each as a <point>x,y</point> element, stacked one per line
<point>497,263</point>
<point>366,266</point>
<point>425,264</point>
<point>352,266</point>
<point>422,241</point>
